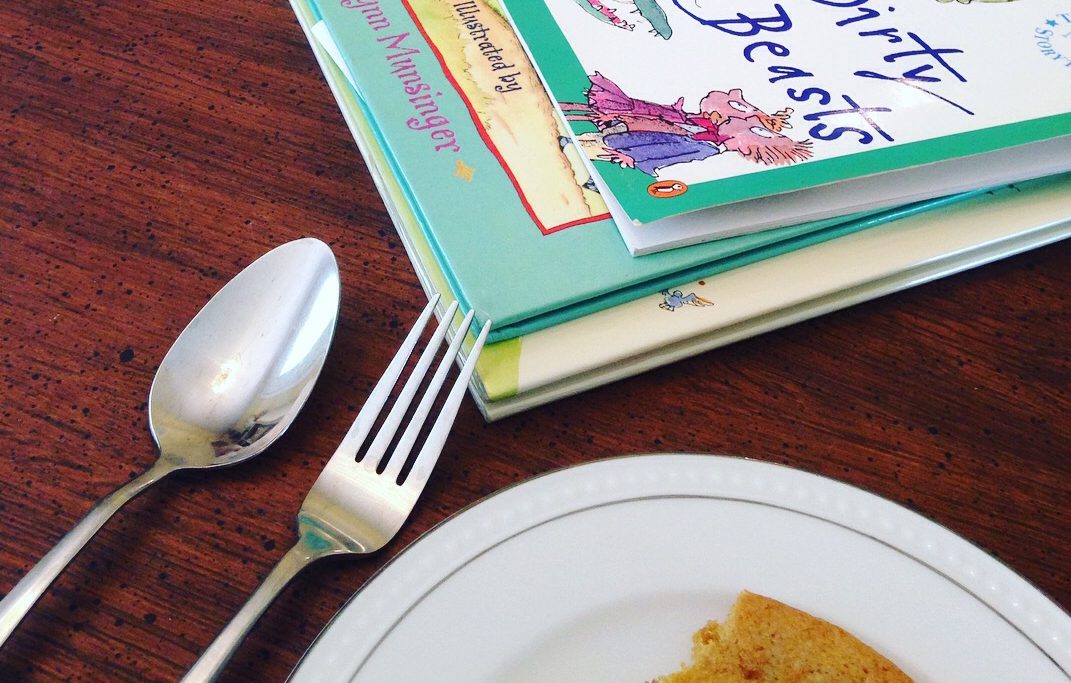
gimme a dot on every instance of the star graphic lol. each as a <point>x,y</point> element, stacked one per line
<point>464,171</point>
<point>1051,22</point>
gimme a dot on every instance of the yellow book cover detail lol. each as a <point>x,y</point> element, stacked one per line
<point>484,58</point>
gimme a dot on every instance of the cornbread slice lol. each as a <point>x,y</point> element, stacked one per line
<point>767,641</point>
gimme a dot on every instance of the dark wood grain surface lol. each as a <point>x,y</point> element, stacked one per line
<point>150,150</point>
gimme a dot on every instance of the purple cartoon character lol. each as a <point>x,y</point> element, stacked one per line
<point>650,136</point>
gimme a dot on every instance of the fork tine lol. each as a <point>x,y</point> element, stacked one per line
<point>405,444</point>
<point>405,397</point>
<point>362,425</point>
<point>429,453</point>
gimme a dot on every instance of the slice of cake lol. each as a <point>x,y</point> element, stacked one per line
<point>767,641</point>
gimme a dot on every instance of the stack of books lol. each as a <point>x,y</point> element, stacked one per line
<point>608,221</point>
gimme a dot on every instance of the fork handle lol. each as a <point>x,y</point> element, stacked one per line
<point>211,663</point>
<point>32,586</point>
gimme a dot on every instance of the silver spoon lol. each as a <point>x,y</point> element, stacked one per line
<point>231,383</point>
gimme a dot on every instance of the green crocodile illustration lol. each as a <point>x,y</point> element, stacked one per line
<point>617,13</point>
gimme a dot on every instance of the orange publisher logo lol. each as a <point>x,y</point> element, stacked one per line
<point>665,189</point>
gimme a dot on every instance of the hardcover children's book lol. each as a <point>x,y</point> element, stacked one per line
<point>704,118</point>
<point>498,187</point>
<point>708,310</point>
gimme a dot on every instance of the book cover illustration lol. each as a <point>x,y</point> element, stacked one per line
<point>521,372</point>
<point>649,136</point>
<point>488,67</point>
<point>503,196</point>
<point>709,103</point>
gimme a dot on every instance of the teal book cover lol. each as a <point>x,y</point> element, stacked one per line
<point>501,193</point>
<point>686,105</point>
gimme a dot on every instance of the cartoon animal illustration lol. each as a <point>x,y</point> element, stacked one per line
<point>671,301</point>
<point>650,136</point>
<point>630,15</point>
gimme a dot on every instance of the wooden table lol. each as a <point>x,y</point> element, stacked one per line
<point>148,151</point>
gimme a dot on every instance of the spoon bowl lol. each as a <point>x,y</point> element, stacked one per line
<point>232,382</point>
<point>239,373</point>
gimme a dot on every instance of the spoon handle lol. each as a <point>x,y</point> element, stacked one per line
<point>310,547</point>
<point>22,597</point>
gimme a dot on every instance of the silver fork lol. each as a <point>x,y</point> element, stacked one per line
<point>351,509</point>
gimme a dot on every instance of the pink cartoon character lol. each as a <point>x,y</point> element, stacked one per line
<point>752,138</point>
<point>608,103</point>
<point>718,107</point>
<point>649,136</point>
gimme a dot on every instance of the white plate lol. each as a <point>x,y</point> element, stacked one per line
<point>602,572</point>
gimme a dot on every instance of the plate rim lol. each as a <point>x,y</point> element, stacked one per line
<point>1059,635</point>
